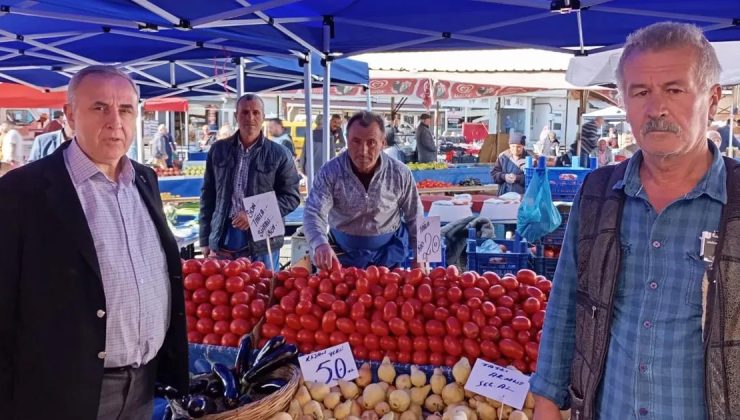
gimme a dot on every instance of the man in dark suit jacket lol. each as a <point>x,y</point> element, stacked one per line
<point>426,150</point>
<point>71,346</point>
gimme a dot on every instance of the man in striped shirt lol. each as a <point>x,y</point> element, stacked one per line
<point>590,133</point>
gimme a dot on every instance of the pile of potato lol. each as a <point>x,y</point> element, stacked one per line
<point>400,397</point>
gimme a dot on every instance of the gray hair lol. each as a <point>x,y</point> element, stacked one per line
<point>250,97</point>
<point>365,119</point>
<point>102,70</point>
<point>668,35</point>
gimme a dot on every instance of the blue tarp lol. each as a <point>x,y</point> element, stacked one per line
<point>121,31</point>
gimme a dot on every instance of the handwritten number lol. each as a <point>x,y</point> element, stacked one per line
<point>330,373</point>
<point>340,373</point>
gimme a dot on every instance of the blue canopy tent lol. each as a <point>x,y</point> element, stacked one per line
<point>135,31</point>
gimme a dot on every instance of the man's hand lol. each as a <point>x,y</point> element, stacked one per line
<point>510,178</point>
<point>325,258</point>
<point>545,409</point>
<point>240,221</point>
<point>206,251</point>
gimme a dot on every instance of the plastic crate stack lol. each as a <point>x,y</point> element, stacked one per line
<point>564,185</point>
<point>500,263</point>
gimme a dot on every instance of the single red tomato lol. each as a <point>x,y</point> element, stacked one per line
<point>340,308</point>
<point>345,325</point>
<point>240,327</point>
<point>490,350</point>
<point>544,285</point>
<point>303,307</point>
<point>360,353</point>
<point>270,330</point>
<point>387,343</point>
<point>471,330</point>
<point>362,326</point>
<point>479,318</point>
<point>365,300</point>
<point>505,301</point>
<point>372,342</point>
<point>420,358</point>
<point>523,337</point>
<point>273,315</point>
<point>488,308</point>
<point>434,328</point>
<point>191,308</point>
<point>204,326</point>
<point>257,307</point>
<point>219,297</point>
<point>329,321</point>
<point>454,294</point>
<point>511,349</point>
<point>215,282</point>
<point>441,314</point>
<point>209,268</point>
<point>190,266</point>
<point>526,276</point>
<point>310,322</point>
<point>232,269</point>
<point>504,313</point>
<point>341,290</point>
<point>357,311</point>
<point>453,346</point>
<point>531,305</point>
<point>538,318</point>
<point>407,311</point>
<point>536,293</point>
<point>453,326</point>
<point>436,344</point>
<point>436,359</point>
<point>405,343</point>
<point>322,338</point>
<point>408,291</point>
<point>463,313</point>
<point>201,295</point>
<point>221,313</point>
<point>398,326</point>
<point>471,348</point>
<point>240,297</point>
<point>489,332</point>
<point>190,322</point>
<point>379,328</point>
<point>509,283</point>
<point>306,337</point>
<point>291,335</point>
<point>204,310</point>
<point>356,340</point>
<point>421,344</point>
<point>325,300</point>
<point>416,327</point>
<point>424,293</point>
<point>496,291</point>
<point>194,281</point>
<point>293,321</point>
<point>212,339</point>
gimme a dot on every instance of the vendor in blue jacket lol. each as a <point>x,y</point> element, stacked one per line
<point>508,171</point>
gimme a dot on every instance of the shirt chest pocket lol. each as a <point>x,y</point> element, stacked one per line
<point>264,173</point>
<point>696,269</point>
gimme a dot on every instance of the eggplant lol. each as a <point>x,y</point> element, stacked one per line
<point>215,388</point>
<point>198,386</point>
<point>245,399</point>
<point>283,355</point>
<point>270,386</point>
<point>231,393</point>
<point>244,355</point>
<point>270,346</point>
<point>200,405</point>
<point>167,415</point>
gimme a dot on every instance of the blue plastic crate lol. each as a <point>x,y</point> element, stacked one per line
<point>557,237</point>
<point>500,264</point>
<point>564,182</point>
<point>545,266</point>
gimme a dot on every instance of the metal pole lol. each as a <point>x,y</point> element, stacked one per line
<point>308,143</point>
<point>186,130</point>
<point>733,108</point>
<point>140,133</point>
<point>327,143</point>
<point>240,78</point>
<point>369,101</point>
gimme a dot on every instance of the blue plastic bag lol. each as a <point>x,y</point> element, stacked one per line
<point>537,215</point>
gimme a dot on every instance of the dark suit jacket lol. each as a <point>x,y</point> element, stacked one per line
<point>51,291</point>
<point>426,150</point>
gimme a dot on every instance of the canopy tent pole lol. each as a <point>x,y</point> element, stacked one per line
<point>368,99</point>
<point>186,130</point>
<point>240,78</point>
<point>733,113</point>
<point>308,143</point>
<point>327,143</point>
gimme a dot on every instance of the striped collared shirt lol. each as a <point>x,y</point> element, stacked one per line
<point>132,262</point>
<point>241,176</point>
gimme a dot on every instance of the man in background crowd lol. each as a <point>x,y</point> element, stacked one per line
<point>590,133</point>
<point>46,144</point>
<point>508,172</point>
<point>426,150</point>
<point>11,149</point>
<point>279,135</point>
<point>56,124</point>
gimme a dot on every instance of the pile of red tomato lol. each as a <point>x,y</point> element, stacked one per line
<point>412,317</point>
<point>431,183</point>
<point>224,299</point>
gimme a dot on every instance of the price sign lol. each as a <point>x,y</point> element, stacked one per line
<point>498,383</point>
<point>428,240</point>
<point>329,365</point>
<point>265,220</point>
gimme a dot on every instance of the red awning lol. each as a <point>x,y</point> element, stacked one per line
<point>20,96</point>
<point>166,104</point>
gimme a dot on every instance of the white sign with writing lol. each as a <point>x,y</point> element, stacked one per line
<point>329,365</point>
<point>428,240</point>
<point>264,216</point>
<point>498,383</point>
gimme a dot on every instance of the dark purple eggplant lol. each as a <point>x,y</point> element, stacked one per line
<point>167,415</point>
<point>200,405</point>
<point>283,355</point>
<point>215,388</point>
<point>271,345</point>
<point>245,399</point>
<point>269,387</point>
<point>231,393</point>
<point>243,356</point>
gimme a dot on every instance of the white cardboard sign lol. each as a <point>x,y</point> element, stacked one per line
<point>265,220</point>
<point>428,239</point>
<point>498,383</point>
<point>329,365</point>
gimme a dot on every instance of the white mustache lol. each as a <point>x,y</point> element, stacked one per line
<point>657,124</point>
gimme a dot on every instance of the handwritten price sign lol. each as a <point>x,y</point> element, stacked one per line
<point>498,383</point>
<point>265,220</point>
<point>329,365</point>
<point>428,240</point>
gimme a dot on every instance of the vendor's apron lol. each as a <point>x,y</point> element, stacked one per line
<point>389,249</point>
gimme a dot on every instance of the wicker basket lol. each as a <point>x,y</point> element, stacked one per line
<point>268,406</point>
